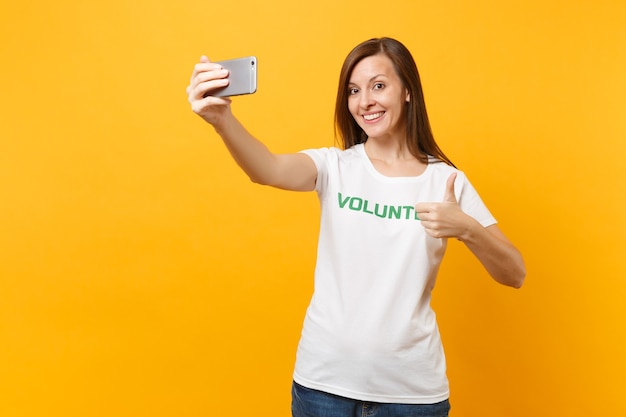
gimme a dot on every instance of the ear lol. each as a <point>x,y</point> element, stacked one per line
<point>408,97</point>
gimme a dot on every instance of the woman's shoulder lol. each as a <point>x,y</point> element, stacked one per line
<point>436,164</point>
<point>334,152</point>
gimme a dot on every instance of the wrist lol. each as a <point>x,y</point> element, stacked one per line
<point>221,122</point>
<point>470,230</point>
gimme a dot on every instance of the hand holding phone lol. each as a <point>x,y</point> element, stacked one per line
<point>242,77</point>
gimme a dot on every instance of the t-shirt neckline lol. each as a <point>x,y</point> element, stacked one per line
<point>360,148</point>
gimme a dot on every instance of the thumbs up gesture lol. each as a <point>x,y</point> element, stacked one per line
<point>444,219</point>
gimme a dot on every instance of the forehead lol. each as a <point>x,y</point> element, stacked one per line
<point>372,66</point>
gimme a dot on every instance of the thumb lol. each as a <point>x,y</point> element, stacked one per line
<point>449,196</point>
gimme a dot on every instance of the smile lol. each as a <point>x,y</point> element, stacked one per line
<point>373,116</point>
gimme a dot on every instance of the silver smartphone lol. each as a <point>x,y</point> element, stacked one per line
<point>242,77</point>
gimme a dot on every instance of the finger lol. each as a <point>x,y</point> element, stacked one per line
<point>204,82</point>
<point>200,91</point>
<point>422,208</point>
<point>205,65</point>
<point>205,71</point>
<point>209,87</point>
<point>423,211</point>
<point>449,195</point>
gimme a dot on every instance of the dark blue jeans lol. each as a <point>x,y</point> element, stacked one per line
<point>306,402</point>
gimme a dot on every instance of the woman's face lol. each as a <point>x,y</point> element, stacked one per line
<point>376,98</point>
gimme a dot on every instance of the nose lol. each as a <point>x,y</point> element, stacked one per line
<point>366,100</point>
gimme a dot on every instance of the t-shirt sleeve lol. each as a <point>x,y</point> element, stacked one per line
<point>471,203</point>
<point>320,158</point>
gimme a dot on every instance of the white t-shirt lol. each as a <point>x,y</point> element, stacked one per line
<point>369,332</point>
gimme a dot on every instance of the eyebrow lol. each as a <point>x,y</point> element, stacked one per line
<point>370,80</point>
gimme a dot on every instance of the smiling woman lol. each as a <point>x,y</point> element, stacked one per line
<point>388,350</point>
<point>392,61</point>
<point>377,101</point>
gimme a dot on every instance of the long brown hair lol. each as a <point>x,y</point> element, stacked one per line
<point>420,140</point>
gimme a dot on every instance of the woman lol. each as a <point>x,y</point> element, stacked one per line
<point>390,199</point>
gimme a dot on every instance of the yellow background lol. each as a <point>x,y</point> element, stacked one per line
<point>142,274</point>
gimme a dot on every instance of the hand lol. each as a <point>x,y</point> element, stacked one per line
<point>207,77</point>
<point>445,219</point>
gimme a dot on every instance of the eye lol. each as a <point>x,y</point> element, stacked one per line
<point>379,86</point>
<point>352,91</point>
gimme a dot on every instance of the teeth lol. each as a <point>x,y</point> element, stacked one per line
<point>369,117</point>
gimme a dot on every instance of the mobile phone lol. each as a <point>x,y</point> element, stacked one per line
<point>242,76</point>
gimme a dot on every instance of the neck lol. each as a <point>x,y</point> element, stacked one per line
<point>394,161</point>
<point>388,151</point>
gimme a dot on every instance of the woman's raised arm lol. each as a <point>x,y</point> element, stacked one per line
<point>294,171</point>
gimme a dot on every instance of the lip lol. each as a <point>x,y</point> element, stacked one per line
<point>372,117</point>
